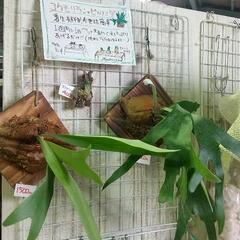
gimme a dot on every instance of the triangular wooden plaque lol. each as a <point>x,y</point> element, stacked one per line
<point>23,107</point>
<point>116,113</point>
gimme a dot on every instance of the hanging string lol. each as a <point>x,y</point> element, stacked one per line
<point>148,51</point>
<point>149,55</point>
<point>34,64</point>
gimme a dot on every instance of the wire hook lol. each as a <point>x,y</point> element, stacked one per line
<point>236,23</point>
<point>210,16</point>
<point>174,22</point>
<point>220,82</point>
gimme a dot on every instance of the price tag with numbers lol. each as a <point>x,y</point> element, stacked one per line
<point>22,190</point>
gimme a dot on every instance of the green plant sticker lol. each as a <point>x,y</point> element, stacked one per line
<point>120,21</point>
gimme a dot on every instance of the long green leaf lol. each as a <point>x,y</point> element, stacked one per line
<point>122,170</point>
<point>202,169</point>
<point>184,216</point>
<point>76,160</point>
<point>73,191</point>
<point>167,190</point>
<point>209,136</point>
<point>34,207</point>
<point>182,186</point>
<point>200,206</point>
<point>115,144</point>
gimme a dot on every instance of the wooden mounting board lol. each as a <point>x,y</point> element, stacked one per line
<point>116,112</point>
<point>23,107</point>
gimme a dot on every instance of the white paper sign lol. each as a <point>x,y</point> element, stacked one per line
<point>22,190</point>
<point>85,32</point>
<point>145,160</point>
<point>66,90</point>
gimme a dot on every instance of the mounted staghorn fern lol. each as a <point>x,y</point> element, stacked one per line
<point>58,158</point>
<point>191,144</point>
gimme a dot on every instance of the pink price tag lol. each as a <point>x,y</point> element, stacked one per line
<point>22,190</point>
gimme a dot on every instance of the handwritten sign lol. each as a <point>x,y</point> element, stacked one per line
<point>22,190</point>
<point>84,32</point>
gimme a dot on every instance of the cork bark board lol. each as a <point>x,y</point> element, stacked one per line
<point>23,107</point>
<point>115,116</point>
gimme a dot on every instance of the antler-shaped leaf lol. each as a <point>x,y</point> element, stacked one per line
<point>209,137</point>
<point>76,160</point>
<point>73,191</point>
<point>135,147</point>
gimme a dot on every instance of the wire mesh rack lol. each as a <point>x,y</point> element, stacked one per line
<point>129,208</point>
<point>219,64</point>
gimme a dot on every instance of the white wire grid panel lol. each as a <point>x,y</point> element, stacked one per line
<point>128,209</point>
<point>220,57</point>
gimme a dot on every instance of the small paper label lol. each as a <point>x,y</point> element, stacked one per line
<point>66,90</point>
<point>22,190</point>
<point>145,160</point>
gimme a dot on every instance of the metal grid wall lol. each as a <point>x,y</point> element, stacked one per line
<point>129,208</point>
<point>220,57</point>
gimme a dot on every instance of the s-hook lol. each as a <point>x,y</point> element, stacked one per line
<point>236,23</point>
<point>148,50</point>
<point>174,22</point>
<point>210,16</point>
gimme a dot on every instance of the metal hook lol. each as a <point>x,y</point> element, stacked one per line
<point>237,23</point>
<point>113,238</point>
<point>81,238</point>
<point>220,82</point>
<point>125,237</point>
<point>174,22</point>
<point>210,16</point>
